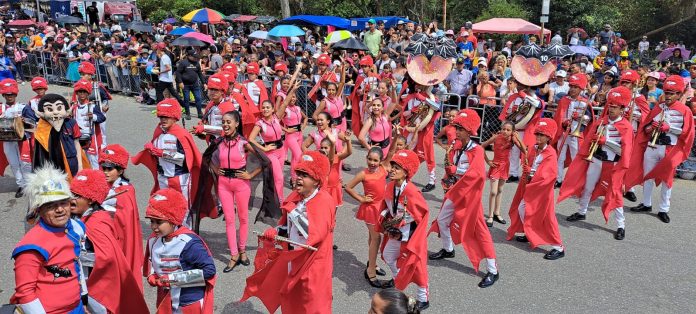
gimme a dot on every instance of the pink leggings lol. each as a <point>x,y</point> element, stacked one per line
<point>277,158</point>
<point>293,143</point>
<point>235,191</point>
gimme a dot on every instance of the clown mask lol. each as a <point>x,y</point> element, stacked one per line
<point>53,109</point>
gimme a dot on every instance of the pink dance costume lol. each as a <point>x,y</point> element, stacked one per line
<point>272,133</point>
<point>373,184</point>
<point>334,106</point>
<point>334,184</point>
<point>233,191</point>
<point>501,155</point>
<point>380,133</point>
<point>293,141</point>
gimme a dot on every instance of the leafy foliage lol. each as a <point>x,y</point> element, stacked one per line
<point>504,8</point>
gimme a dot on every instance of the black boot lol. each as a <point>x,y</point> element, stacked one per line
<point>557,185</point>
<point>422,305</point>
<point>441,254</point>
<point>513,179</point>
<point>19,193</point>
<point>663,217</point>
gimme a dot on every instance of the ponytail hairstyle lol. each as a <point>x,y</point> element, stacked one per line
<point>396,302</point>
<point>236,117</point>
<point>372,115</point>
<point>376,150</point>
<point>327,116</point>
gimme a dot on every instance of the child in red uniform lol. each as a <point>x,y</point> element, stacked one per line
<point>335,181</point>
<point>499,169</point>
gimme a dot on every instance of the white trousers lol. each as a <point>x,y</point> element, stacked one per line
<point>431,177</point>
<point>95,307</point>
<point>184,182</point>
<point>594,170</point>
<point>515,157</point>
<point>391,254</point>
<point>93,160</point>
<point>20,169</point>
<point>571,143</point>
<point>650,159</point>
<point>520,210</point>
<point>444,219</point>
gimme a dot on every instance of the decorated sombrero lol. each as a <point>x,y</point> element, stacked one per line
<point>430,58</point>
<point>532,64</point>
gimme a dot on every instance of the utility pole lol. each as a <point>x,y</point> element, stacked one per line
<point>444,14</point>
<point>544,18</point>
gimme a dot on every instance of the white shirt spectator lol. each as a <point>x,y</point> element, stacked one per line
<point>381,63</point>
<point>116,28</point>
<point>643,45</point>
<point>165,76</point>
<point>557,39</point>
<point>459,81</point>
<point>559,90</point>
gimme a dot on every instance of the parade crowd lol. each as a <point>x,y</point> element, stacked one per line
<point>85,252</point>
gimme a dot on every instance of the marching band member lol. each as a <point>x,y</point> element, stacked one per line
<point>333,102</point>
<point>664,143</point>
<point>177,261</point>
<point>15,153</point>
<point>39,85</point>
<point>364,88</point>
<point>320,78</point>
<point>114,288</point>
<point>532,212</point>
<point>211,123</point>
<point>121,199</point>
<point>281,70</point>
<point>460,219</point>
<point>325,127</point>
<point>419,124</point>
<point>238,95</point>
<point>255,86</point>
<point>88,117</point>
<point>574,112</point>
<point>171,156</point>
<point>47,266</point>
<point>87,72</point>
<point>606,158</point>
<point>294,121</point>
<point>404,222</point>
<point>377,127</point>
<point>302,270</point>
<point>334,184</point>
<point>271,133</point>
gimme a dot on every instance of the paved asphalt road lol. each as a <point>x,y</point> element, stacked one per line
<point>651,271</point>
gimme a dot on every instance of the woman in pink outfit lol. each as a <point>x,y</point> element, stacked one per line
<point>293,121</point>
<point>268,127</point>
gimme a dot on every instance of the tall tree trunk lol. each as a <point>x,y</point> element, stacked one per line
<point>285,8</point>
<point>663,28</point>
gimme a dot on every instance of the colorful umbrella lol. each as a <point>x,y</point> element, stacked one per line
<point>350,44</point>
<point>590,52</point>
<point>170,20</point>
<point>337,36</point>
<point>187,42</point>
<point>200,36</point>
<point>204,15</point>
<point>286,31</point>
<point>21,23</point>
<point>259,35</point>
<point>181,31</point>
<point>665,54</point>
<point>143,27</point>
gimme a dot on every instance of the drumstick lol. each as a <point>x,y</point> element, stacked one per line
<point>284,239</point>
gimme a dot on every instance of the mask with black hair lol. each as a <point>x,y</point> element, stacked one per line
<point>54,109</point>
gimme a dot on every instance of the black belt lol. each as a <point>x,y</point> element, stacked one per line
<point>296,127</point>
<point>663,139</point>
<point>603,156</point>
<point>337,121</point>
<point>278,143</point>
<point>382,144</point>
<point>232,173</point>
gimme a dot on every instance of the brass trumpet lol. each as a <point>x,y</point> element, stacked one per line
<point>656,131</point>
<point>595,145</point>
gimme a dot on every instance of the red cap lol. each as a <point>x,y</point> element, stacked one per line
<point>578,80</point>
<point>546,126</point>
<point>218,81</point>
<point>9,86</point>
<point>469,120</point>
<point>86,68</point>
<point>279,66</point>
<point>315,164</point>
<point>366,60</point>
<point>167,204</point>
<point>674,83</point>
<point>114,154</point>
<point>229,68</point>
<point>90,184</point>
<point>407,160</point>
<point>619,96</point>
<point>169,107</point>
<point>160,46</point>
<point>324,59</point>
<point>629,76</point>
<point>38,83</point>
<point>252,68</point>
<point>82,85</point>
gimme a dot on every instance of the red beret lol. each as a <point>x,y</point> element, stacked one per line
<point>169,107</point>
<point>407,160</point>
<point>252,68</point>
<point>674,83</point>
<point>86,68</point>
<point>83,85</point>
<point>324,59</point>
<point>114,154</point>
<point>629,76</point>
<point>218,81</point>
<point>90,184</point>
<point>619,96</point>
<point>230,68</point>
<point>579,80</point>
<point>279,66</point>
<point>366,60</point>
<point>469,120</point>
<point>39,82</point>
<point>160,46</point>
<point>9,86</point>
<point>546,126</point>
<point>167,204</point>
<point>315,164</point>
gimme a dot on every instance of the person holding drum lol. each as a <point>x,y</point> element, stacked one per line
<point>88,117</point>
<point>15,147</point>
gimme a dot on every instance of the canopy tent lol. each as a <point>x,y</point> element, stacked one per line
<point>319,20</point>
<point>118,8</point>
<point>360,23</point>
<point>264,19</point>
<point>508,26</point>
<point>244,18</point>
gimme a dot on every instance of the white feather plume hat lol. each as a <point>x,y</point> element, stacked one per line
<point>45,185</point>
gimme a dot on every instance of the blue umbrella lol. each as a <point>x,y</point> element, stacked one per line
<point>170,20</point>
<point>585,50</point>
<point>181,31</point>
<point>286,31</point>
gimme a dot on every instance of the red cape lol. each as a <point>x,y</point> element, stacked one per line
<point>111,281</point>
<point>264,91</point>
<point>612,178</point>
<point>425,140</point>
<point>127,230</point>
<point>355,99</point>
<point>307,288</point>
<point>529,139</point>
<point>540,224</point>
<point>468,225</point>
<point>664,170</point>
<point>413,257</point>
<point>250,112</point>
<point>560,116</point>
<point>193,162</point>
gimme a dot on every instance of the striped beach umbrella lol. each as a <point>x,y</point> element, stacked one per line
<point>337,36</point>
<point>204,15</point>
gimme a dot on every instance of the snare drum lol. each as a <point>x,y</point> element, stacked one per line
<point>11,129</point>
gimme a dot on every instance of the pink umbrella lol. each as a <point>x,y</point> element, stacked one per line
<point>200,36</point>
<point>21,23</point>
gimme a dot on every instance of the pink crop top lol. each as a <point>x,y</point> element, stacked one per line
<point>293,116</point>
<point>270,131</point>
<point>381,130</point>
<point>231,153</point>
<point>334,106</point>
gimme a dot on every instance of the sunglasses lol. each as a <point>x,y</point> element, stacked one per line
<point>107,168</point>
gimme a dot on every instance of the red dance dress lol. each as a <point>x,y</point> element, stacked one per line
<point>501,156</point>
<point>373,184</point>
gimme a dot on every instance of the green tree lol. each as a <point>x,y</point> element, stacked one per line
<point>504,8</point>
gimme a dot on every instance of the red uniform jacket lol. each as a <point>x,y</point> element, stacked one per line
<point>250,112</point>
<point>540,224</point>
<point>612,178</point>
<point>264,91</point>
<point>641,104</point>
<point>664,170</point>
<point>111,281</point>
<point>127,230</point>
<point>355,99</point>
<point>468,225</point>
<point>425,145</point>
<point>529,138</point>
<point>306,288</point>
<point>413,257</point>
